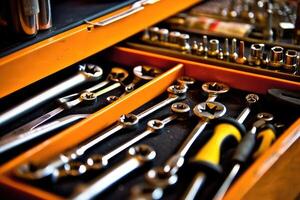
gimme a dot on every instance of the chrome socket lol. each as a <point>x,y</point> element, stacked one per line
<point>256,54</point>
<point>241,56</point>
<point>173,36</point>
<point>163,35</point>
<point>233,54</point>
<point>276,57</point>
<point>290,60</point>
<point>214,46</point>
<point>183,41</point>
<point>154,33</point>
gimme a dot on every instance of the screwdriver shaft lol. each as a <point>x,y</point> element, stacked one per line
<point>193,189</point>
<point>223,189</point>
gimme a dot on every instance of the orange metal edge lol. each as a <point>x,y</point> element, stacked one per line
<point>264,162</point>
<point>84,130</point>
<point>35,62</point>
<point>204,72</point>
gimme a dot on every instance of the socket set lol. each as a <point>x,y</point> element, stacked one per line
<point>92,88</point>
<point>105,163</point>
<point>258,58</point>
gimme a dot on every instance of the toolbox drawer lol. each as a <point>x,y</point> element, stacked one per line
<point>60,51</point>
<point>103,118</point>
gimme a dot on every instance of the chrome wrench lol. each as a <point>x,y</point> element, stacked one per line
<point>98,162</point>
<point>167,175</point>
<point>138,156</point>
<point>86,73</point>
<point>176,92</point>
<point>11,142</point>
<point>16,137</point>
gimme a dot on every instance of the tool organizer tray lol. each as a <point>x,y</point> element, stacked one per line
<point>166,142</point>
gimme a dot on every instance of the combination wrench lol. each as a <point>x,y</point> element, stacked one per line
<point>138,157</point>
<point>176,93</point>
<point>167,175</point>
<point>86,73</point>
<point>97,161</point>
<point>15,137</point>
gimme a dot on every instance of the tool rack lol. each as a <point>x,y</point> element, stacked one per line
<point>71,46</point>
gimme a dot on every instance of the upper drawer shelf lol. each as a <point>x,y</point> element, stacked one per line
<point>48,56</point>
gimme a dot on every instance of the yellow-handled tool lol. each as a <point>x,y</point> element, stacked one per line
<point>208,158</point>
<point>266,135</point>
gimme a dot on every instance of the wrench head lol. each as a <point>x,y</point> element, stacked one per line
<point>88,97</point>
<point>118,74</point>
<point>161,178</point>
<point>96,162</point>
<point>182,110</point>
<point>252,99</point>
<point>143,152</point>
<point>128,120</point>
<point>70,169</point>
<point>177,89</point>
<point>265,116</point>
<point>186,80</point>
<point>155,124</point>
<point>209,110</point>
<point>146,72</point>
<point>215,88</point>
<point>146,192</point>
<point>111,99</point>
<point>91,71</point>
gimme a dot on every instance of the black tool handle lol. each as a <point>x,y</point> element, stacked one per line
<point>245,148</point>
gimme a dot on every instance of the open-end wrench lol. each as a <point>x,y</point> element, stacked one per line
<point>167,175</point>
<point>11,142</point>
<point>86,73</point>
<point>97,161</point>
<point>65,103</point>
<point>176,92</point>
<point>138,156</point>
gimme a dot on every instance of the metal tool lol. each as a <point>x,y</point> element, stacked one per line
<point>45,15</point>
<point>205,45</point>
<point>268,31</point>
<point>290,63</point>
<point>183,41</point>
<point>142,72</point>
<point>213,89</point>
<point>226,50</point>
<point>241,59</point>
<point>276,58</point>
<point>163,35</point>
<point>67,102</point>
<point>195,47</point>
<point>233,53</point>
<point>256,54</point>
<point>176,92</point>
<point>214,47</point>
<point>208,157</point>
<point>167,175</point>
<point>97,161</point>
<point>220,55</point>
<point>86,73</point>
<point>135,7</point>
<point>12,142</point>
<point>173,37</point>
<point>243,152</point>
<point>137,157</point>
<point>153,32</point>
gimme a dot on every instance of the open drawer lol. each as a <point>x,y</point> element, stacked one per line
<point>32,63</point>
<point>168,142</point>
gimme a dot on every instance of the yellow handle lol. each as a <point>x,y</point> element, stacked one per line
<point>211,151</point>
<point>268,136</point>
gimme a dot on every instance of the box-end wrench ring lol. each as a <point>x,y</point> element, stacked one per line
<point>138,156</point>
<point>96,162</point>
